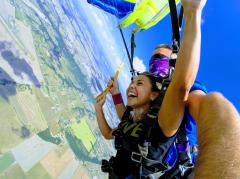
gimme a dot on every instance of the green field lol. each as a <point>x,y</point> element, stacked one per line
<point>37,172</point>
<point>13,172</point>
<point>50,116</point>
<point>2,102</point>
<point>26,114</point>
<point>5,161</point>
<point>46,135</point>
<point>9,122</point>
<point>84,133</point>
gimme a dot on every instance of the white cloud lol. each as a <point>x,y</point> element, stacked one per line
<point>98,19</point>
<point>138,64</point>
<point>109,39</point>
<point>112,47</point>
<point>126,77</point>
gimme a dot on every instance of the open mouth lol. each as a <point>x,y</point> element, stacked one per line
<point>132,95</point>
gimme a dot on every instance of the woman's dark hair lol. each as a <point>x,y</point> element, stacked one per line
<point>153,79</point>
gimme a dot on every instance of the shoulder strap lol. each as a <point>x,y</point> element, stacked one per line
<point>127,113</point>
<point>184,157</point>
<point>152,115</point>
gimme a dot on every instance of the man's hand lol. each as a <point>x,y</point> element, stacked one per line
<point>113,84</point>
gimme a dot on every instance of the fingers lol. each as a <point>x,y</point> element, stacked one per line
<point>113,85</point>
<point>110,82</point>
<point>101,99</point>
<point>113,82</point>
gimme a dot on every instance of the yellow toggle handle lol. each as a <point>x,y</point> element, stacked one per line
<point>105,92</point>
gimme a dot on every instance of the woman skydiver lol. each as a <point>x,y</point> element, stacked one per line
<point>187,145</point>
<point>141,93</point>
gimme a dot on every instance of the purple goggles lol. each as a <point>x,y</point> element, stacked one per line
<point>159,65</point>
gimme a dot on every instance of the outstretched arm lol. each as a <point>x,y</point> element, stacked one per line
<point>105,129</point>
<point>172,109</point>
<point>117,97</point>
<point>218,128</point>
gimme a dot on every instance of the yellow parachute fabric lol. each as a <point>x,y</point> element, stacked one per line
<point>147,13</point>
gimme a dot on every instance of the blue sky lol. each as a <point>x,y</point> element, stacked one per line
<point>220,57</point>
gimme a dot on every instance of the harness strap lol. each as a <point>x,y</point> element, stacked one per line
<point>175,26</point>
<point>127,112</point>
<point>184,157</point>
<point>153,165</point>
<point>180,18</point>
<point>182,137</point>
<point>150,122</point>
<point>133,45</point>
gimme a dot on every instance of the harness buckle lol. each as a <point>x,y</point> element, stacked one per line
<point>194,149</point>
<point>136,157</point>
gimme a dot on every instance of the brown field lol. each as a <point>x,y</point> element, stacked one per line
<point>81,173</point>
<point>54,163</point>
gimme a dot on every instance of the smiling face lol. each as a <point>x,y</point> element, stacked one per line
<point>139,92</point>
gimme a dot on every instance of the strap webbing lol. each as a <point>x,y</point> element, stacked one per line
<point>175,26</point>
<point>133,45</point>
<point>180,18</point>
<point>153,111</point>
<point>182,136</point>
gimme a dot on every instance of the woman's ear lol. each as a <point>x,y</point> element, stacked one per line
<point>154,95</point>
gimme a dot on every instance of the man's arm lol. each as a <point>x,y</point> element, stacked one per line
<point>172,109</point>
<point>218,128</point>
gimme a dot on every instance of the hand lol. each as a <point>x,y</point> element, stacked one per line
<point>100,100</point>
<point>193,5</point>
<point>113,84</point>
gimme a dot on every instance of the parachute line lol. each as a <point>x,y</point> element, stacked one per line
<point>130,58</point>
